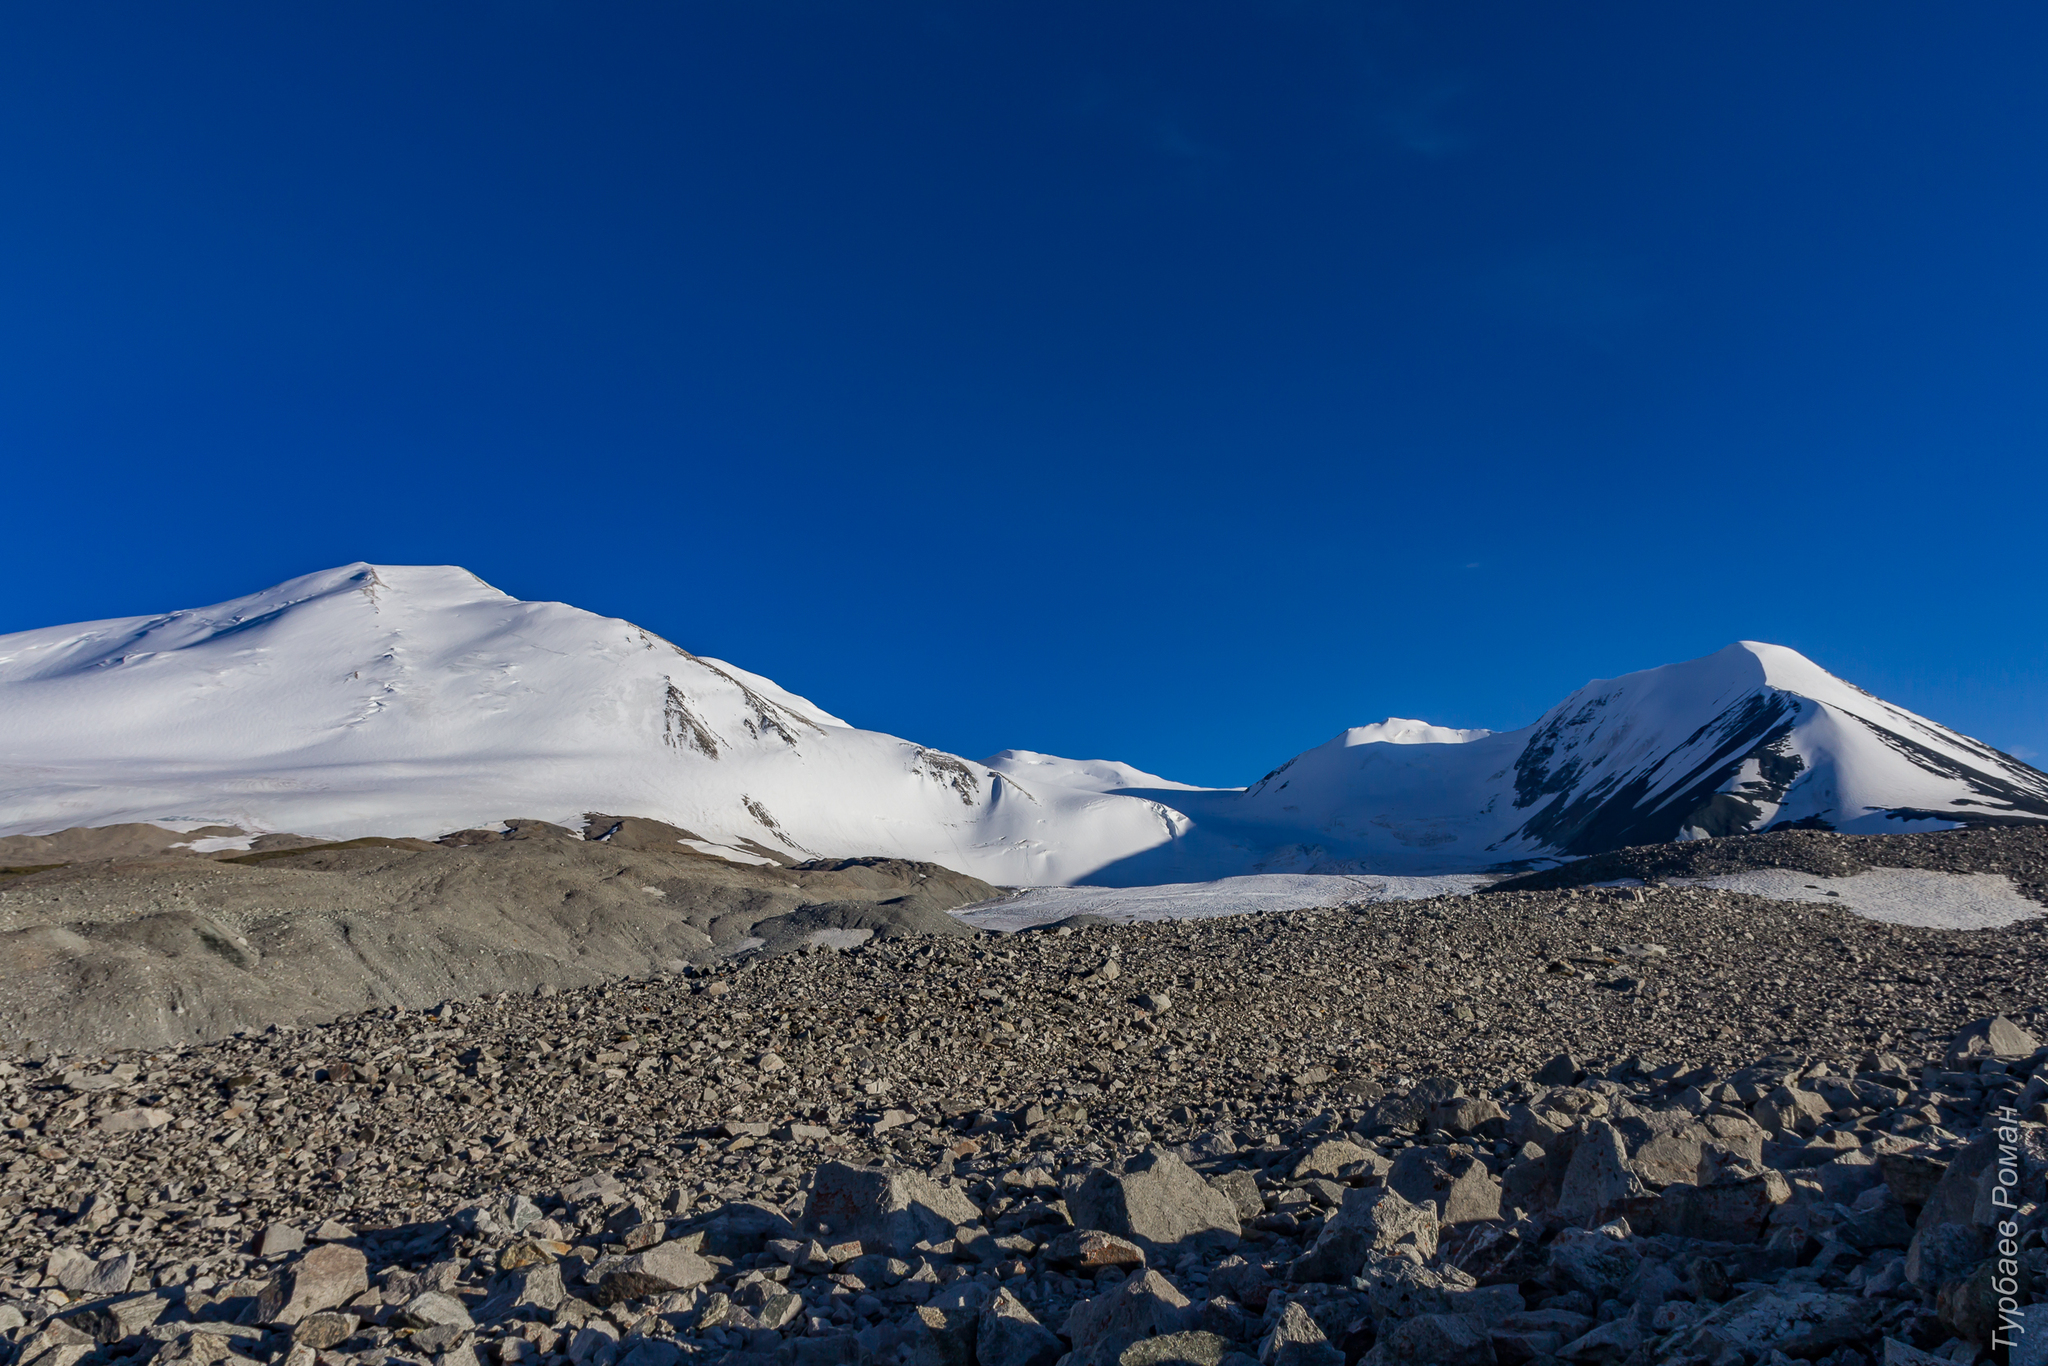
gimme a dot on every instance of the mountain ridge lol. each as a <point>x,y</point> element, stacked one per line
<point>415,700</point>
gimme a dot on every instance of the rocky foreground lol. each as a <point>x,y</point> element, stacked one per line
<point>1310,1139</point>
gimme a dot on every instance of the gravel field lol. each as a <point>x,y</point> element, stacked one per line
<point>1626,1124</point>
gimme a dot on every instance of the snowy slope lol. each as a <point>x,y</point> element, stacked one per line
<point>418,700</point>
<point>1748,738</point>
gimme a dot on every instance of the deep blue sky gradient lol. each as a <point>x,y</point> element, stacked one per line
<point>1174,382</point>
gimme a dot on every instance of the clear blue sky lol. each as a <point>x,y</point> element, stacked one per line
<point>1174,382</point>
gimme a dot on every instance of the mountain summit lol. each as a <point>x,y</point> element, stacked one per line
<point>417,700</point>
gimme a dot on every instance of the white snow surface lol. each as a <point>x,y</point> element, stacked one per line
<point>1034,906</point>
<point>415,700</point>
<point>1924,897</point>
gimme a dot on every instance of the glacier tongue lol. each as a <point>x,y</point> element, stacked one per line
<point>418,699</point>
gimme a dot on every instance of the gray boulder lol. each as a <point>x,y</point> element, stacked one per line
<point>498,1216</point>
<point>433,1308</point>
<point>740,1228</point>
<point>1996,1037</point>
<point>661,1269</point>
<point>1329,1159</point>
<point>1008,1335</point>
<point>1411,1109</point>
<point>1242,1190</point>
<point>539,1287</point>
<point>1727,1212</point>
<point>1372,1220</point>
<point>1457,1187</point>
<point>1297,1341</point>
<point>327,1277</point>
<point>1789,1111</point>
<point>1158,1202</point>
<point>888,1210</point>
<point>1598,1183</point>
<point>1396,1288</point>
<point>1142,1307</point>
<point>1591,1260</point>
<point>1435,1340</point>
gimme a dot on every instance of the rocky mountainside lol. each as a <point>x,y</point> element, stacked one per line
<point>1318,1139</point>
<point>144,951</point>
<point>412,701</point>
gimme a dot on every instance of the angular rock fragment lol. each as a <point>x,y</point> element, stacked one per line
<point>1007,1334</point>
<point>327,1277</point>
<point>1158,1202</point>
<point>1144,1306</point>
<point>1296,1340</point>
<point>888,1210</point>
<point>1374,1220</point>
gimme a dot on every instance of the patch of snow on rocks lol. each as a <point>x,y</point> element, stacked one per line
<point>1036,906</point>
<point>1897,896</point>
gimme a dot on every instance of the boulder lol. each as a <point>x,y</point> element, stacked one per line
<point>1192,1348</point>
<point>325,1330</point>
<point>1911,1175</point>
<point>1943,1253</point>
<point>1329,1159</point>
<point>431,1309</point>
<point>1089,1250</point>
<point>1435,1340</point>
<point>1596,1261</point>
<point>1669,1158</point>
<point>1787,1111</point>
<point>1158,1202</point>
<point>1598,1183</point>
<point>1144,1306</point>
<point>942,1334</point>
<point>1008,1335</point>
<point>1396,1288</point>
<point>503,1215</point>
<point>1297,1341</point>
<point>740,1228</point>
<point>1996,1037</point>
<point>886,1209</point>
<point>1470,1115</point>
<point>1612,1342</point>
<point>1728,1212</point>
<point>662,1269</point>
<point>327,1277</point>
<point>1797,1321</point>
<point>111,1320</point>
<point>1408,1111</point>
<point>539,1286</point>
<point>1372,1220</point>
<point>1456,1186</point>
<point>1242,1190</point>
<point>1533,1178</point>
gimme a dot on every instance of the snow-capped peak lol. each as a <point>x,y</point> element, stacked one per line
<point>1396,731</point>
<point>414,700</point>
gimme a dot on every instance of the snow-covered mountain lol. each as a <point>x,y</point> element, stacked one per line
<point>418,700</point>
<point>1752,737</point>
